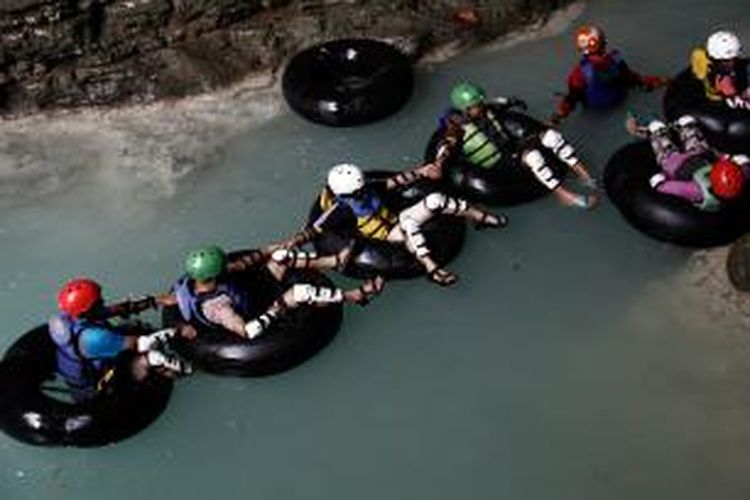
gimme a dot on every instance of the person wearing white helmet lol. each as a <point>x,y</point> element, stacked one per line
<point>723,69</point>
<point>351,204</point>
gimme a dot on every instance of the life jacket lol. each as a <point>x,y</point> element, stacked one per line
<point>78,371</point>
<point>374,220</point>
<point>191,303</point>
<point>706,71</point>
<point>604,84</point>
<point>698,169</point>
<point>702,177</point>
<point>485,142</point>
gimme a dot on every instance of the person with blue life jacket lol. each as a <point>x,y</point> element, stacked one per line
<point>601,78</point>
<point>87,344</point>
<point>351,206</point>
<point>211,293</point>
<point>476,129</point>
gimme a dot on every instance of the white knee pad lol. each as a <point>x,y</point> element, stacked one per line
<point>684,121</point>
<point>740,159</point>
<point>440,203</point>
<point>415,240</point>
<point>538,166</point>
<point>305,293</point>
<point>283,255</point>
<point>435,202</point>
<point>554,140</point>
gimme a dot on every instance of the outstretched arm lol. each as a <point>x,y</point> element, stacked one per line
<point>407,177</point>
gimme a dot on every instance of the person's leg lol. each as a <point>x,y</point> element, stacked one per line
<point>307,294</point>
<point>661,143</point>
<point>168,365</point>
<point>534,160</point>
<point>693,140</point>
<point>413,218</point>
<point>282,259</point>
<point>687,190</point>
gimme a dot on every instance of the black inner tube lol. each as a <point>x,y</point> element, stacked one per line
<point>726,129</point>
<point>348,82</point>
<point>666,217</point>
<point>509,183</point>
<point>30,415</point>
<point>444,234</point>
<point>292,338</point>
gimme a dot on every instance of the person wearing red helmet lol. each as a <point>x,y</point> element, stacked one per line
<point>691,170</point>
<point>601,77</point>
<point>87,344</point>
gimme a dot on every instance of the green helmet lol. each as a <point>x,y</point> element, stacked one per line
<point>465,95</point>
<point>205,263</point>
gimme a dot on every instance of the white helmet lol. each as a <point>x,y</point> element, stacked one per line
<point>345,178</point>
<point>723,45</point>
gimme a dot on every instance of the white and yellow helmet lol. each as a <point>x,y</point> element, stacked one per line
<point>723,45</point>
<point>345,178</point>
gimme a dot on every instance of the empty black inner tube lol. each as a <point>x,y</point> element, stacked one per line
<point>726,129</point>
<point>508,183</point>
<point>666,217</point>
<point>30,415</point>
<point>444,234</point>
<point>292,338</point>
<point>348,82</point>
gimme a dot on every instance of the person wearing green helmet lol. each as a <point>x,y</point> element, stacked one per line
<point>476,129</point>
<point>211,295</point>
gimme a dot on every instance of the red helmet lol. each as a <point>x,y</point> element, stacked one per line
<point>78,296</point>
<point>590,39</point>
<point>726,179</point>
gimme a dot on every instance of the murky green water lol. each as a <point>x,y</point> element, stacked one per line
<point>559,368</point>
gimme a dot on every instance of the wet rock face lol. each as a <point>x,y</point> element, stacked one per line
<point>68,53</point>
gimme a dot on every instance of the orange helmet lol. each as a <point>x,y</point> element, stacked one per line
<point>590,39</point>
<point>726,179</point>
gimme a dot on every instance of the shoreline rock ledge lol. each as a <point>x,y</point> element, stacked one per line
<point>57,54</point>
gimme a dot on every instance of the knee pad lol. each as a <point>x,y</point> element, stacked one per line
<point>415,240</point>
<point>538,166</point>
<point>686,121</point>
<point>308,294</point>
<point>292,257</point>
<point>553,140</point>
<point>440,203</point>
<point>740,159</point>
<point>435,202</point>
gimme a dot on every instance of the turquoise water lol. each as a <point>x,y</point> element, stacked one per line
<point>565,365</point>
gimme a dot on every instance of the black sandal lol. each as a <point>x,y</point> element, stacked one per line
<point>370,289</point>
<point>490,220</point>
<point>442,277</point>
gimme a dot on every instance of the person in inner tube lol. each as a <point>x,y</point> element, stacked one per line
<point>723,70</point>
<point>692,171</point>
<point>86,343</point>
<point>475,129</point>
<point>351,206</point>
<point>209,295</point>
<point>601,78</point>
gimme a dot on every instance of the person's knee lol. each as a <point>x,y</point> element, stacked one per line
<point>435,202</point>
<point>536,162</point>
<point>554,140</point>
